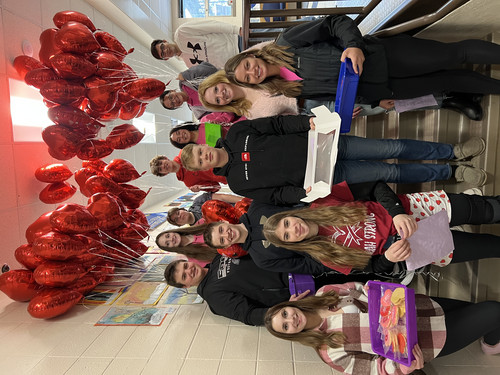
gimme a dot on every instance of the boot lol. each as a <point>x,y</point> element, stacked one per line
<point>466,106</point>
<point>471,175</point>
<point>470,148</point>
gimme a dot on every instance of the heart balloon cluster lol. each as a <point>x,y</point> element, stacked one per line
<point>83,79</point>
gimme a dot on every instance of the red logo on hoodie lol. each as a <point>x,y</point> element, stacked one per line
<point>245,156</point>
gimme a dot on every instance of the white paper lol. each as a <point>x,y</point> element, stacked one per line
<point>431,241</point>
<point>322,153</point>
<point>405,105</point>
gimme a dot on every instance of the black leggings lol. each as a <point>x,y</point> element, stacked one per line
<point>474,209</point>
<point>466,322</point>
<point>419,66</point>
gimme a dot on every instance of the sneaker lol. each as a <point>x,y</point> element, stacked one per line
<point>408,278</point>
<point>471,175</point>
<point>473,191</point>
<point>473,147</point>
<point>490,349</point>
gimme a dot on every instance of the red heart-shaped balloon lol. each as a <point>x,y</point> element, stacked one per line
<point>76,37</point>
<point>105,208</point>
<point>120,170</point>
<point>24,254</point>
<point>145,89</point>
<point>23,64</point>
<point>19,285</point>
<point>124,136</point>
<point>62,91</point>
<point>94,149</point>
<point>48,46</point>
<point>58,274</point>
<point>71,66</point>
<point>65,16</point>
<point>73,218</point>
<point>53,173</point>
<point>57,192</point>
<point>39,227</point>
<point>37,77</point>
<point>59,246</point>
<point>50,303</point>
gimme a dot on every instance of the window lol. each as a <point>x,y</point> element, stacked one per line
<point>205,8</point>
<point>29,114</point>
<point>146,124</point>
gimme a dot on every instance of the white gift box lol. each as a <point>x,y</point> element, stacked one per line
<point>322,153</point>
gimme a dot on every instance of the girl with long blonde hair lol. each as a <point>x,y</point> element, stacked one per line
<point>344,233</point>
<point>217,93</point>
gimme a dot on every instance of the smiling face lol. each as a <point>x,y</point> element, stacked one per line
<point>289,320</point>
<point>225,235</point>
<point>170,239</point>
<point>293,229</point>
<point>220,94</point>
<point>252,70</point>
<point>173,100</point>
<point>165,167</point>
<point>182,217</point>
<point>181,136</point>
<point>188,274</point>
<point>166,50</point>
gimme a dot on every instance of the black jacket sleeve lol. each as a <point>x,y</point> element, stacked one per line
<point>337,29</point>
<point>379,264</point>
<point>238,307</point>
<point>279,196</point>
<point>379,192</point>
<point>291,263</point>
<point>278,124</point>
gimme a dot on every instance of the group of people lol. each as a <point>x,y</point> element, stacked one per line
<point>357,233</point>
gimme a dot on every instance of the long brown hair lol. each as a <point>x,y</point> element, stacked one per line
<point>322,248</point>
<point>313,338</point>
<point>200,252</point>
<point>274,55</point>
<point>238,106</point>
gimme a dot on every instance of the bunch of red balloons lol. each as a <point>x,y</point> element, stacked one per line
<point>83,79</point>
<point>73,248</point>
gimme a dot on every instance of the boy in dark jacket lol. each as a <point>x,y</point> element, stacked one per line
<point>265,159</point>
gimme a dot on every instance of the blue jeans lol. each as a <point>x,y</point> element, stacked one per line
<point>356,160</point>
